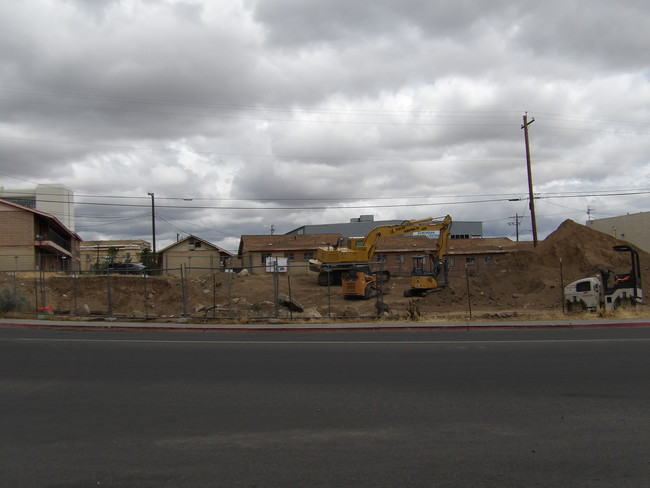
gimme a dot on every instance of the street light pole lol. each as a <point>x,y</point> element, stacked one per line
<point>153,220</point>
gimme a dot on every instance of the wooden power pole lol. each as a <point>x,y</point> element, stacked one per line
<point>531,196</point>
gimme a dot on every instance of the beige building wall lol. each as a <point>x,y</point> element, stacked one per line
<point>16,240</point>
<point>127,250</point>
<point>195,262</point>
<point>633,228</point>
<point>18,227</point>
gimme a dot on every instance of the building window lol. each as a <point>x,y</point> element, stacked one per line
<point>289,256</point>
<point>470,260</point>
<point>399,258</point>
<point>487,259</point>
<point>265,255</point>
<point>307,256</point>
<point>382,258</point>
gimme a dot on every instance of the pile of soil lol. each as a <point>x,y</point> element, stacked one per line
<point>516,284</point>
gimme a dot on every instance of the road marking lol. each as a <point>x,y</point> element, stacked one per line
<point>390,343</point>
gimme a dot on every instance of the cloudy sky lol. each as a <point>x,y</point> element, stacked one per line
<point>244,116</point>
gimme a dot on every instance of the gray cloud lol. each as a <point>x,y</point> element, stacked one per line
<point>293,112</point>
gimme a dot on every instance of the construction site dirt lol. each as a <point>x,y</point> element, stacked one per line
<point>521,285</point>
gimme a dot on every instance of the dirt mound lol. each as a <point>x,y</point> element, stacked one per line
<point>582,250</point>
<point>534,279</point>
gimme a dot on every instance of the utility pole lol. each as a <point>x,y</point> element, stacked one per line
<point>531,196</point>
<point>517,219</point>
<point>153,220</point>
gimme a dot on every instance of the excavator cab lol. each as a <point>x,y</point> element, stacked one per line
<point>425,280</point>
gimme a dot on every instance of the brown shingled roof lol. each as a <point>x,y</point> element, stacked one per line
<point>284,242</point>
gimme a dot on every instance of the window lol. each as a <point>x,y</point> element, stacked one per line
<point>470,260</point>
<point>382,258</point>
<point>265,255</point>
<point>487,260</point>
<point>307,256</point>
<point>399,258</point>
<point>583,286</point>
<point>289,256</point>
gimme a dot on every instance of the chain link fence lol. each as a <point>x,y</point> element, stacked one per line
<point>254,293</point>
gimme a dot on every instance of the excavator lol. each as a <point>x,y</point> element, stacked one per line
<point>332,261</point>
<point>359,284</point>
<point>423,280</point>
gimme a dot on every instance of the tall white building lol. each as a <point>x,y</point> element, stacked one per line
<point>55,199</point>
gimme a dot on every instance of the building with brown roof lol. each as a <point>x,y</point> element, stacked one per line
<point>193,255</point>
<point>394,254</point>
<point>297,249</point>
<point>474,255</point>
<point>33,240</point>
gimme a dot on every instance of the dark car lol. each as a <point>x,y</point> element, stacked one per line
<point>126,268</point>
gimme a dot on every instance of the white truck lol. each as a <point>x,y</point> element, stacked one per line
<point>594,293</point>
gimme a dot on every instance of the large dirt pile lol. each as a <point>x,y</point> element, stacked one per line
<point>517,283</point>
<point>524,281</point>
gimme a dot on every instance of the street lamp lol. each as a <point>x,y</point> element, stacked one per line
<point>153,220</point>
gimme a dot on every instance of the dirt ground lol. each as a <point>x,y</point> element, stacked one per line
<point>519,285</point>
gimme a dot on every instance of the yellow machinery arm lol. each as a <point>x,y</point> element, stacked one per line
<point>360,250</point>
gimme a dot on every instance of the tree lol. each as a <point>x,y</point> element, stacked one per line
<point>148,258</point>
<point>111,255</point>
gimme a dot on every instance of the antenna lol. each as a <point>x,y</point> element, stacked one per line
<point>589,210</point>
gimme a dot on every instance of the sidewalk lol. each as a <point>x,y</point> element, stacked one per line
<point>271,326</point>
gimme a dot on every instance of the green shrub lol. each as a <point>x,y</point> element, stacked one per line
<point>12,301</point>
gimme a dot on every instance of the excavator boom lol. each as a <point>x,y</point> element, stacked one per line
<point>333,260</point>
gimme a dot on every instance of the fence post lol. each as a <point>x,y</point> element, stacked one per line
<point>109,292</point>
<point>75,277</point>
<point>276,289</point>
<point>469,298</point>
<point>562,285</point>
<point>144,284</point>
<point>214,295</point>
<point>329,291</point>
<point>290,299</point>
<point>229,293</point>
<point>184,291</point>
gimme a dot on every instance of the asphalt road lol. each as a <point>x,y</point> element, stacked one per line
<point>543,408</point>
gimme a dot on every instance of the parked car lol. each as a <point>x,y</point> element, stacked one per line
<point>126,268</point>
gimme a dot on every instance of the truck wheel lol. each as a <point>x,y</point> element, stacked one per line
<point>576,307</point>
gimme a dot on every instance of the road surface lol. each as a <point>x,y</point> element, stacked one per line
<point>545,408</point>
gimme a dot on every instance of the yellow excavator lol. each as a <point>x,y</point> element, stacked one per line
<point>332,261</point>
<point>434,278</point>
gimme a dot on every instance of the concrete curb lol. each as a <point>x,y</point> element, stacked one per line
<point>275,327</point>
